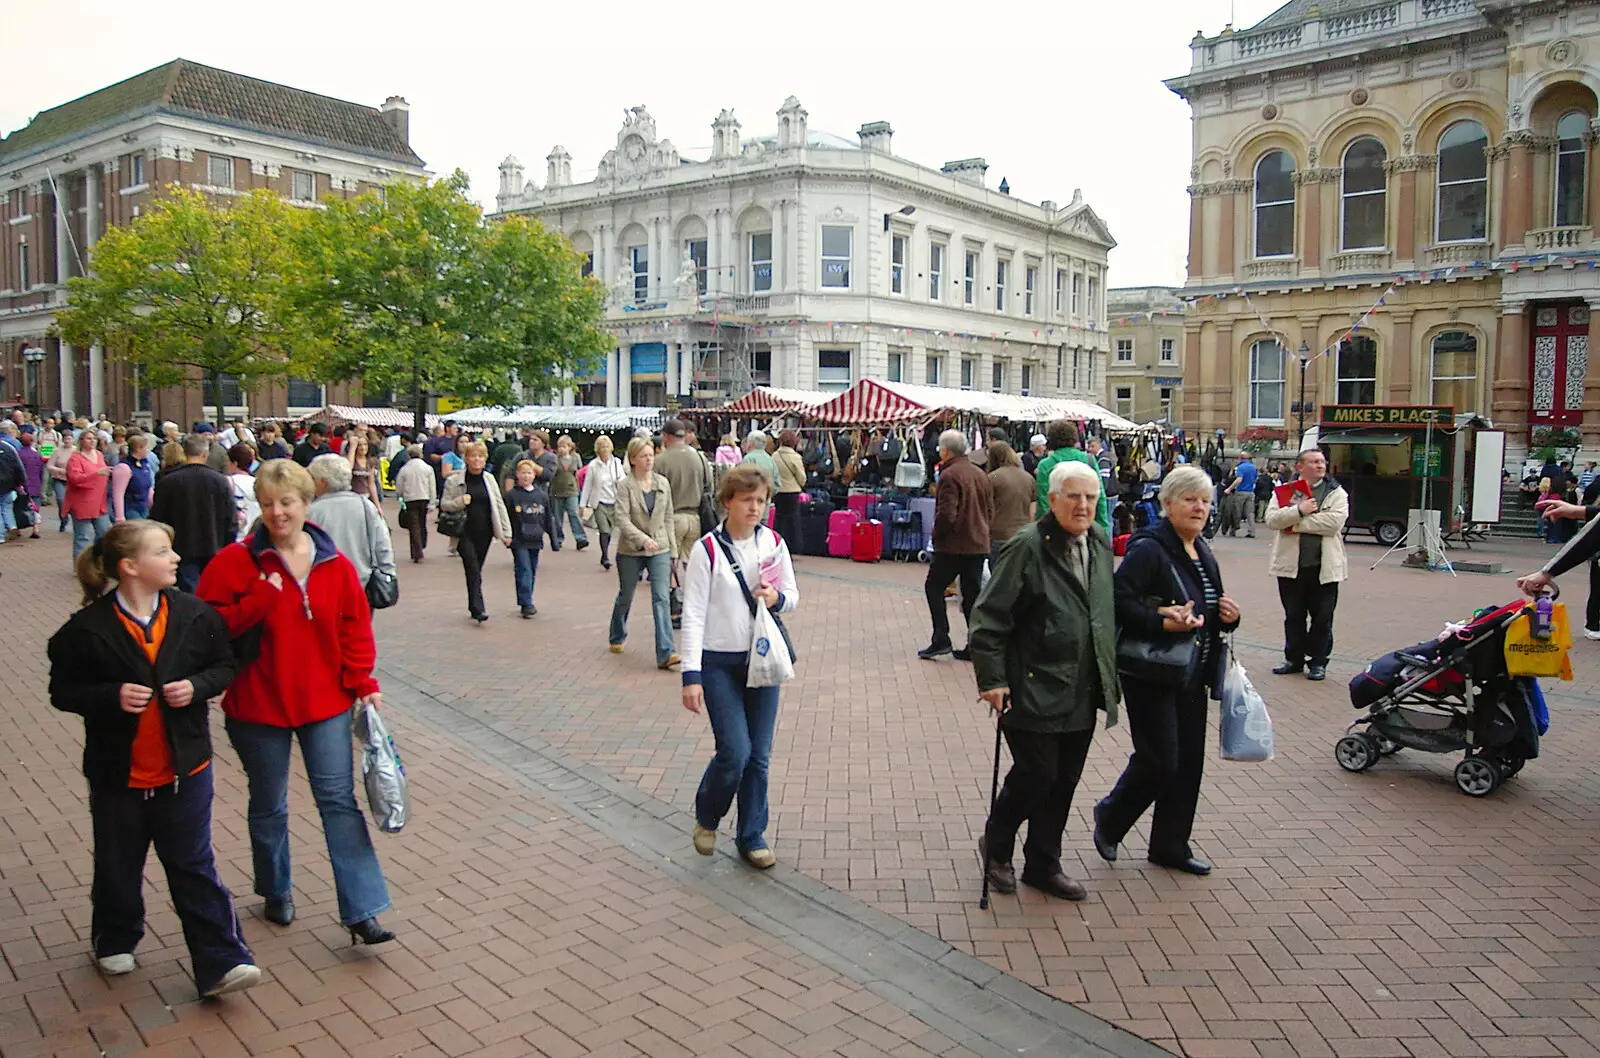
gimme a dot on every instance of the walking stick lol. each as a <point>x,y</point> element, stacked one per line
<point>994,790</point>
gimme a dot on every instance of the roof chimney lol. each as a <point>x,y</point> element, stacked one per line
<point>967,170</point>
<point>875,136</point>
<point>397,114</point>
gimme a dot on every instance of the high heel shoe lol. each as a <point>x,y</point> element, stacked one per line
<point>367,931</point>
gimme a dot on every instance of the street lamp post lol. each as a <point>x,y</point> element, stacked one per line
<point>1300,405</point>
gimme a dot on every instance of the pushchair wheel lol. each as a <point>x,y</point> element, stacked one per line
<point>1477,776</point>
<point>1356,752</point>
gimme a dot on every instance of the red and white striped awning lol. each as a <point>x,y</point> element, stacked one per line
<point>339,414</point>
<point>767,400</point>
<point>869,403</point>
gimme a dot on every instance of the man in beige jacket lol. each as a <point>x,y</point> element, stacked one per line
<point>1309,561</point>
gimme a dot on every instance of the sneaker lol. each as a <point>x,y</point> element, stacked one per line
<point>616,648</point>
<point>672,659</point>
<point>1591,633</point>
<point>236,980</point>
<point>529,611</point>
<point>117,965</point>
<point>934,650</point>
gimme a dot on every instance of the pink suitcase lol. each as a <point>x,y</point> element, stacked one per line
<point>841,524</point>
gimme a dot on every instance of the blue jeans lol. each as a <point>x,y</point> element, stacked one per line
<point>525,562</point>
<point>85,531</point>
<point>8,515</point>
<point>566,506</point>
<point>131,510</point>
<point>629,569</point>
<point>742,720</point>
<point>327,749</point>
<point>60,490</point>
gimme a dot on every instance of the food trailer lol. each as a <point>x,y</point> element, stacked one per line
<point>1393,459</point>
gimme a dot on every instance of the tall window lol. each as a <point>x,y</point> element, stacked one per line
<point>1572,155</point>
<point>1125,401</point>
<point>1358,371</point>
<point>640,258</point>
<point>761,365</point>
<point>1364,196</point>
<point>968,368</point>
<point>219,170</point>
<point>833,367</point>
<point>897,365</point>
<point>232,392</point>
<point>997,376</point>
<point>24,274</point>
<point>935,270</point>
<point>1124,350</point>
<point>1455,371</point>
<point>1463,183</point>
<point>935,370</point>
<point>1075,358</point>
<point>135,170</point>
<point>1164,395</point>
<point>305,186</point>
<point>1027,380</point>
<point>19,203</point>
<point>1030,284</point>
<point>899,246</point>
<point>1077,293</point>
<point>1275,205</point>
<point>1061,366</point>
<point>587,268</point>
<point>1091,369</point>
<point>1169,351</point>
<point>1266,382</point>
<point>836,257</point>
<point>761,261</point>
<point>1061,290</point>
<point>1094,298</point>
<point>969,280</point>
<point>695,250</point>
<point>304,394</point>
<point>1000,270</point>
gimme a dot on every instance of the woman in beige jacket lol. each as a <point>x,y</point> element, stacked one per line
<point>644,545</point>
<point>479,495</point>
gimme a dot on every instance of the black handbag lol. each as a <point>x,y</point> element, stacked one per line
<point>452,523</point>
<point>383,587</point>
<point>1172,656</point>
<point>708,499</point>
<point>247,644</point>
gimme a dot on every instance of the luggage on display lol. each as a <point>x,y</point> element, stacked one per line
<point>841,527</point>
<point>867,542</point>
<point>814,534</point>
<point>905,536</point>
<point>860,501</point>
<point>821,503</point>
<point>924,507</point>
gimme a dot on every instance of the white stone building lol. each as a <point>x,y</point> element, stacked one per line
<point>804,260</point>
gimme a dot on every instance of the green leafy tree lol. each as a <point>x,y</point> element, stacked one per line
<point>432,299</point>
<point>195,285</point>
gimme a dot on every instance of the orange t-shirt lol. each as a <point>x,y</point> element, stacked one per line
<point>150,760</point>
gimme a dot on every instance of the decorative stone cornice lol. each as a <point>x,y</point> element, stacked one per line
<point>174,151</point>
<point>1320,175</point>
<point>1411,163</point>
<point>1220,187</point>
<point>270,170</point>
<point>112,164</point>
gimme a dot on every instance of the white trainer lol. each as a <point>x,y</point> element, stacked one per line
<point>236,980</point>
<point>117,965</point>
<point>1589,633</point>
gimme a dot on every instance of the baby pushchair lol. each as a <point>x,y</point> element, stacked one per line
<point>1450,694</point>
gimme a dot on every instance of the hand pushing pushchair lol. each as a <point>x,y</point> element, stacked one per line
<point>1450,694</point>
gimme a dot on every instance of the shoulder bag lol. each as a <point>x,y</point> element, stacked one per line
<point>708,499</point>
<point>911,473</point>
<point>1171,656</point>
<point>749,597</point>
<point>451,523</point>
<point>383,587</point>
<point>247,644</point>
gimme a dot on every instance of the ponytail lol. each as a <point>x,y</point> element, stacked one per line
<point>97,566</point>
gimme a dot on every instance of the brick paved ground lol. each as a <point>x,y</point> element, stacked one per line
<point>1376,914</point>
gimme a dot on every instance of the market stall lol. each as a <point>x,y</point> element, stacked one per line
<point>764,401</point>
<point>588,418</point>
<point>871,402</point>
<point>349,415</point>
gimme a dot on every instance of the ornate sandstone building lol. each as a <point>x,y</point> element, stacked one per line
<point>1401,195</point>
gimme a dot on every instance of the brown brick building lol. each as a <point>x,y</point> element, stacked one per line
<point>96,161</point>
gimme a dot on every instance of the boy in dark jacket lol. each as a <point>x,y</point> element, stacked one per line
<point>528,504</point>
<point>139,664</point>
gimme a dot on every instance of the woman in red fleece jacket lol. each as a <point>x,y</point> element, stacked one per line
<point>288,585</point>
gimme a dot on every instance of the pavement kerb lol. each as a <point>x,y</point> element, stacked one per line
<point>955,993</point>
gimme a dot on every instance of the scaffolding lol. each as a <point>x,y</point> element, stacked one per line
<point>725,363</point>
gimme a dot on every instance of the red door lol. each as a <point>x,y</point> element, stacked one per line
<point>1559,348</point>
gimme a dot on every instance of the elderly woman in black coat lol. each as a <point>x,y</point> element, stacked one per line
<point>1171,613</point>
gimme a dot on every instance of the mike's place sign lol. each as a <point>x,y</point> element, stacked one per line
<point>1417,415</point>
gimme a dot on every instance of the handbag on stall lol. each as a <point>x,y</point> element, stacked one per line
<point>911,472</point>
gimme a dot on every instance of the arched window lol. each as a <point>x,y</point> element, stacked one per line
<point>1455,371</point>
<point>1363,196</point>
<point>1571,168</point>
<point>1275,205</point>
<point>1266,381</point>
<point>1463,205</point>
<point>1358,371</point>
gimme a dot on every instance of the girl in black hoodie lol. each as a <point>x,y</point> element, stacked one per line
<point>140,663</point>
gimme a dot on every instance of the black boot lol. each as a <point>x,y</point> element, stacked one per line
<point>605,550</point>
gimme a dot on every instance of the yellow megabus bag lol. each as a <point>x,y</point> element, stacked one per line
<point>1530,656</point>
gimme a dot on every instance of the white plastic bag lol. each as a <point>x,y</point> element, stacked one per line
<point>1246,729</point>
<point>769,652</point>
<point>381,770</point>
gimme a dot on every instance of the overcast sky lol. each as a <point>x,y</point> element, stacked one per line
<point>1055,95</point>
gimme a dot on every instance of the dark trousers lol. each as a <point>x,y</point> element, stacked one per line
<point>473,550</point>
<point>943,569</point>
<point>1169,758</point>
<point>177,820</point>
<point>1308,608</point>
<point>1045,770</point>
<point>1591,617</point>
<point>417,525</point>
<point>786,518</point>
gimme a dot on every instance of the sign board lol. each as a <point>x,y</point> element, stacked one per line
<point>1427,460</point>
<point>446,405</point>
<point>1488,459</point>
<point>1402,415</point>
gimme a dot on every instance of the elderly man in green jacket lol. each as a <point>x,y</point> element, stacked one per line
<point>1043,639</point>
<point>1062,437</point>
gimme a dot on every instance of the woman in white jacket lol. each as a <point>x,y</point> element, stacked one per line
<point>718,614</point>
<point>600,494</point>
